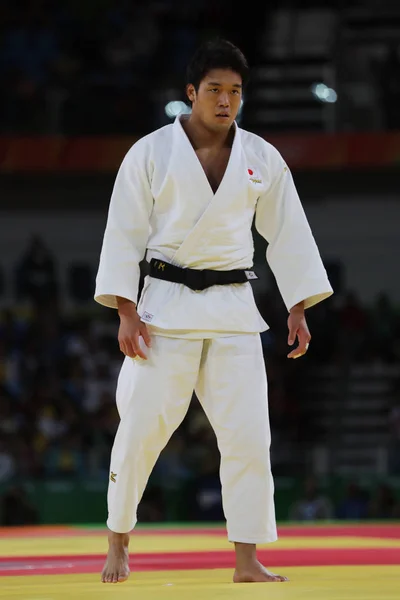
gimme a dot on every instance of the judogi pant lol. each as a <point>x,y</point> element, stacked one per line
<point>153,396</point>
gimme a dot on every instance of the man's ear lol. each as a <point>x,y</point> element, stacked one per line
<point>191,92</point>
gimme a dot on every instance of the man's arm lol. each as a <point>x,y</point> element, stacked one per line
<point>292,252</point>
<point>126,234</point>
<point>131,329</point>
<point>298,328</point>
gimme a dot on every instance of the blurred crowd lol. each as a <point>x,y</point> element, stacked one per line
<point>355,503</point>
<point>58,371</point>
<point>65,65</point>
<point>111,66</point>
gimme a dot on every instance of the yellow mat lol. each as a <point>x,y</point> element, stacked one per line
<point>95,544</point>
<point>306,583</point>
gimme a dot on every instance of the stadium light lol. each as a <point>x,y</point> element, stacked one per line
<point>323,93</point>
<point>175,108</point>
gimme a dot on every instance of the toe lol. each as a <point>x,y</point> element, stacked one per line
<point>123,576</point>
<point>276,577</point>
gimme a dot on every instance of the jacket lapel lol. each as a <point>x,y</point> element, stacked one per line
<point>214,204</point>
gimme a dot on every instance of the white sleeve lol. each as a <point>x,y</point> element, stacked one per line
<point>292,253</point>
<point>126,234</point>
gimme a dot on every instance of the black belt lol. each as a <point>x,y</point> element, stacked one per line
<point>197,279</point>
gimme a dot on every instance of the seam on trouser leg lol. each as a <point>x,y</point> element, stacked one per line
<point>260,540</point>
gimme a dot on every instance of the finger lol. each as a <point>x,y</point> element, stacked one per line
<point>145,335</point>
<point>303,335</point>
<point>129,349</point>
<point>136,347</point>
<point>295,354</point>
<point>299,351</point>
<point>293,329</point>
<point>302,347</point>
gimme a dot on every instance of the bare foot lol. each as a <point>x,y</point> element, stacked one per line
<point>116,569</point>
<point>256,573</point>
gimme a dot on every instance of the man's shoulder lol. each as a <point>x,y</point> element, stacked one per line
<point>158,134</point>
<point>143,147</point>
<point>258,143</point>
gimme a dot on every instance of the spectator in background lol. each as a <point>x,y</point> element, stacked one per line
<point>205,497</point>
<point>352,315</point>
<point>383,503</point>
<point>383,321</point>
<point>152,506</point>
<point>8,467</point>
<point>36,275</point>
<point>312,505</point>
<point>352,322</point>
<point>64,457</point>
<point>394,443</point>
<point>17,509</point>
<point>10,415</point>
<point>354,504</point>
<point>389,81</point>
<point>171,471</point>
<point>28,52</point>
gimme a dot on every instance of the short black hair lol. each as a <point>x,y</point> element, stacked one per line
<point>216,54</point>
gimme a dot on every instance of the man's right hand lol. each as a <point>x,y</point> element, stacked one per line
<point>131,329</point>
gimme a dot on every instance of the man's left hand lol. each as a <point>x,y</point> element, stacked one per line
<point>297,326</point>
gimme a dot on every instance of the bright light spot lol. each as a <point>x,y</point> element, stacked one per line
<point>175,108</point>
<point>324,93</point>
<point>239,115</point>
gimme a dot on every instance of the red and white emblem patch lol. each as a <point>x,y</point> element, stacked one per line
<point>253,175</point>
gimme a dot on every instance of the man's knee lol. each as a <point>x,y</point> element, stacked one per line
<point>249,449</point>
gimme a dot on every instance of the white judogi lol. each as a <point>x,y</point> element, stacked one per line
<point>163,206</point>
<point>153,396</point>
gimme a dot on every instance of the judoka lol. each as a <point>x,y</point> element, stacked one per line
<point>185,197</point>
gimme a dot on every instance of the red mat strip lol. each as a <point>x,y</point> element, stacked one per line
<point>37,531</point>
<point>201,560</point>
<point>373,531</point>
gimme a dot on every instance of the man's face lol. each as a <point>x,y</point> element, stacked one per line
<point>217,101</point>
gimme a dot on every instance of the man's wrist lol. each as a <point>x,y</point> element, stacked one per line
<point>126,308</point>
<point>298,308</point>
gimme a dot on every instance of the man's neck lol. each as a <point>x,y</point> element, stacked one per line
<point>201,137</point>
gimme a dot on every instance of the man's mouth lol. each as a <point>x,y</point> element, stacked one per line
<point>223,115</point>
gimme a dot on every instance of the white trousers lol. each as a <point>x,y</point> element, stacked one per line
<point>153,396</point>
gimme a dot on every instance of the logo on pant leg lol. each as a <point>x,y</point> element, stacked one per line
<point>113,477</point>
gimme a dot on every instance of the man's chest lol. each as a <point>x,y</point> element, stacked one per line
<point>214,165</point>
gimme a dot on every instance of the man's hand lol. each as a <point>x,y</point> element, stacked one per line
<point>297,326</point>
<point>131,329</point>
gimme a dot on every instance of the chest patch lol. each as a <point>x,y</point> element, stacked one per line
<point>254,176</point>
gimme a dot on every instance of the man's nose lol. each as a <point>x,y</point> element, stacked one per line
<point>223,100</point>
